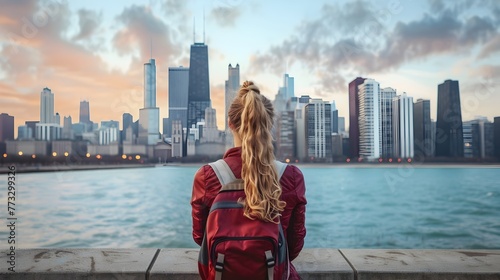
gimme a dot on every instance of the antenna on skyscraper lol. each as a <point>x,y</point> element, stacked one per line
<point>151,48</point>
<point>203,25</point>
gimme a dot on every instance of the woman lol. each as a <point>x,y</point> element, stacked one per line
<point>250,119</point>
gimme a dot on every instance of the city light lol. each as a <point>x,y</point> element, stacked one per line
<point>33,156</point>
<point>54,154</point>
<point>409,160</point>
<point>20,153</point>
<point>348,160</point>
<point>390,160</point>
<point>4,155</point>
<point>287,160</point>
<point>66,154</point>
<point>137,157</point>
<point>124,156</point>
<point>98,156</point>
<point>87,155</point>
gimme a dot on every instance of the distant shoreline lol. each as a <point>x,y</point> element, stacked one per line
<point>56,168</point>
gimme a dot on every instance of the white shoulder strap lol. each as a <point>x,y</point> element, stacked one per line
<point>226,175</point>
<point>223,172</point>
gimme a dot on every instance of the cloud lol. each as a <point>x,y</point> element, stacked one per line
<point>225,16</point>
<point>354,39</point>
<point>141,28</point>
<point>89,22</point>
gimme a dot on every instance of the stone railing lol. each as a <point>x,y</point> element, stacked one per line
<point>312,264</point>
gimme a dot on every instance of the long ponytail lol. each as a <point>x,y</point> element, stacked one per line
<point>252,116</point>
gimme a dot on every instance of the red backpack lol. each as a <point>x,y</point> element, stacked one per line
<point>236,247</point>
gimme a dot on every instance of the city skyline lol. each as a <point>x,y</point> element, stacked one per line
<point>97,54</point>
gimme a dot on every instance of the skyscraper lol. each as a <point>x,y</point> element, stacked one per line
<point>317,116</point>
<point>46,106</point>
<point>178,84</point>
<point>149,116</point>
<point>84,112</point>
<point>402,126</point>
<point>422,128</point>
<point>199,86</point>
<point>232,86</point>
<point>386,111</point>
<point>150,84</point>
<point>67,132</point>
<point>6,127</point>
<point>353,116</point>
<point>368,119</point>
<point>289,85</point>
<point>49,127</point>
<point>449,131</point>
<point>335,118</point>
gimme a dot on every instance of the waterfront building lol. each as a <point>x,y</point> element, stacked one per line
<point>478,135</point>
<point>285,138</point>
<point>402,123</point>
<point>67,132</point>
<point>368,120</point>
<point>335,118</point>
<point>386,114</point>
<point>353,116</point>
<point>178,86</point>
<point>149,116</point>
<point>6,127</point>
<point>449,132</point>
<point>422,130</point>
<point>47,106</point>
<point>317,116</point>
<point>198,86</point>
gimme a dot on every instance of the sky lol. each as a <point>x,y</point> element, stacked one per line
<point>95,50</point>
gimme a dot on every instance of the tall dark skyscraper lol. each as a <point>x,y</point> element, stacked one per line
<point>449,130</point>
<point>422,128</point>
<point>353,116</point>
<point>199,86</point>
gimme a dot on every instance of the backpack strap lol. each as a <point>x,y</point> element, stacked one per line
<point>228,180</point>
<point>223,172</point>
<point>219,266</point>
<point>270,264</point>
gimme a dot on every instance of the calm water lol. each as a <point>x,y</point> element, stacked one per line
<point>348,208</point>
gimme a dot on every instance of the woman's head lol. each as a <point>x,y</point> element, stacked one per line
<point>251,117</point>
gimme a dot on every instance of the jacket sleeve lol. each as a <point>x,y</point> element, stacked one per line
<point>199,206</point>
<point>296,231</point>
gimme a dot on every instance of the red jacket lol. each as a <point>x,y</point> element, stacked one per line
<point>206,186</point>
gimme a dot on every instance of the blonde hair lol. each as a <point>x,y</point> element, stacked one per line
<point>251,115</point>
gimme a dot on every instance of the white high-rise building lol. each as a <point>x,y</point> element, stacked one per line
<point>368,119</point>
<point>48,128</point>
<point>46,106</point>
<point>149,116</point>
<point>402,122</point>
<point>318,129</point>
<point>231,90</point>
<point>386,96</point>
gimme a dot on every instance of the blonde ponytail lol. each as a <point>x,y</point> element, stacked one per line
<point>252,115</point>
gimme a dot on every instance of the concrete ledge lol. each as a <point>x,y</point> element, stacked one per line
<point>181,263</point>
<point>424,264</point>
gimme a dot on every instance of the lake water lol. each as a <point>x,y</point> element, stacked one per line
<point>405,207</point>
